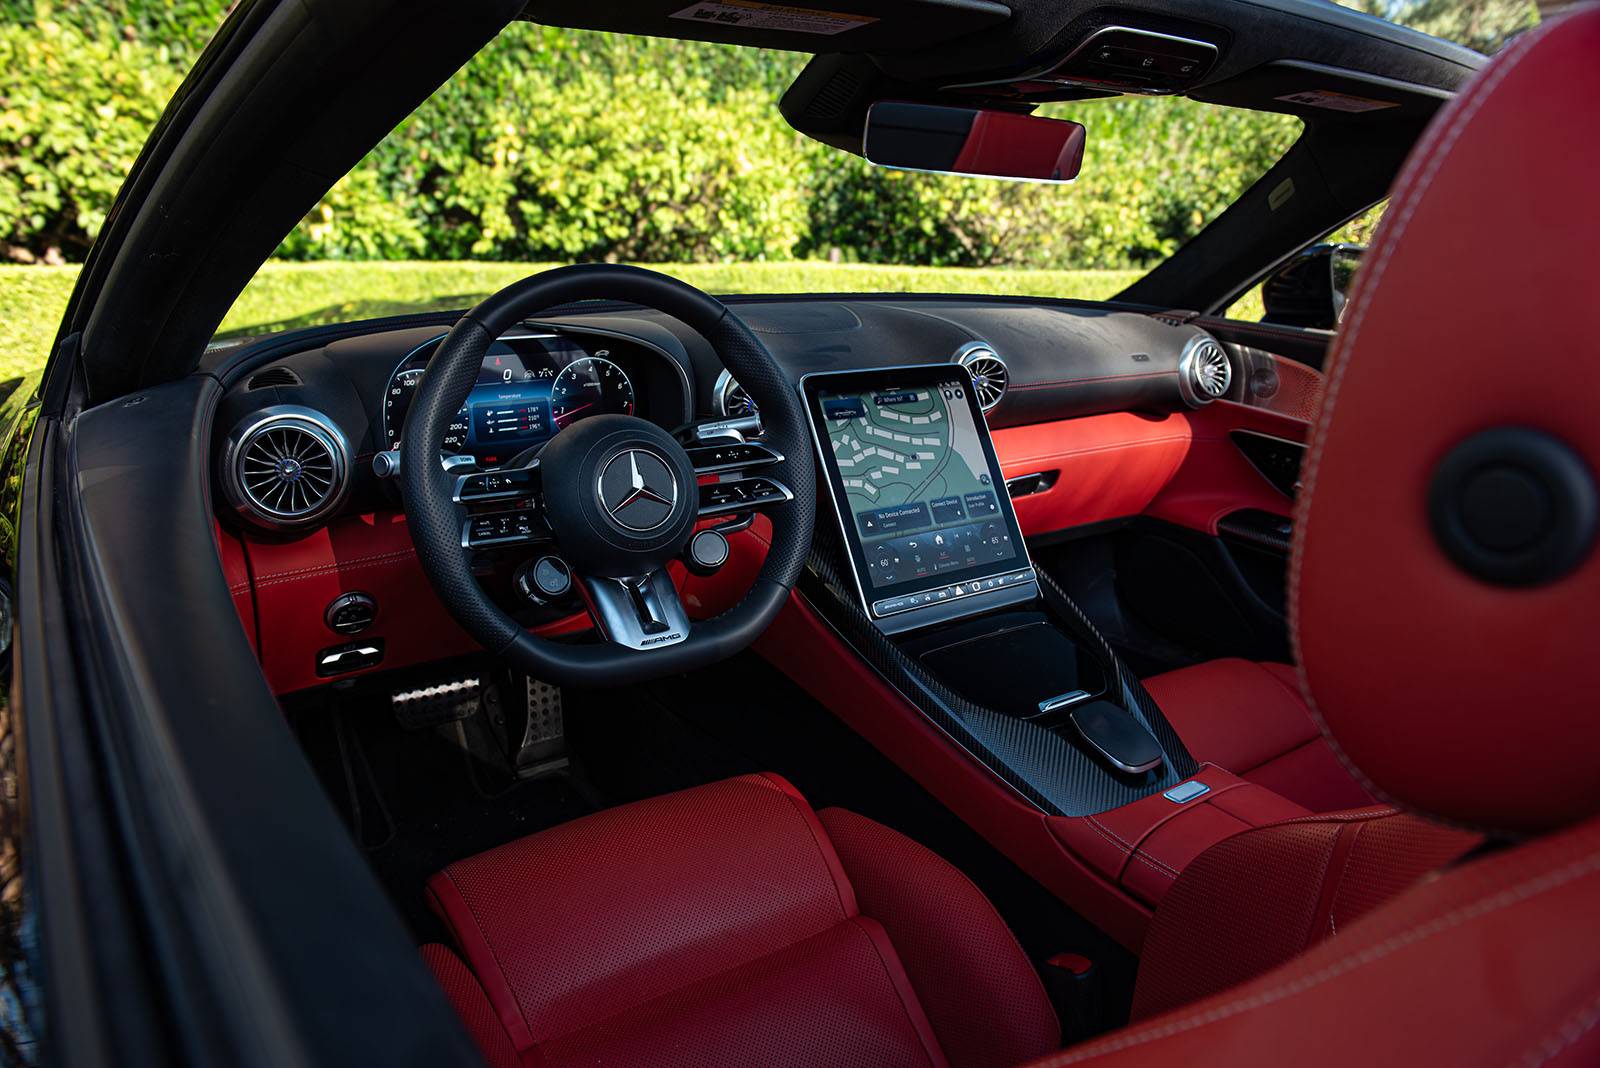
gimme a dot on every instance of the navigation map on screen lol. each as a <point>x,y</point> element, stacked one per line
<point>916,481</point>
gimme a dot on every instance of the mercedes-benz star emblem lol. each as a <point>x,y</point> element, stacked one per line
<point>638,490</point>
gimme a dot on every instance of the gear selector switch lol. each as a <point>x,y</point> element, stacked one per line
<point>1117,737</point>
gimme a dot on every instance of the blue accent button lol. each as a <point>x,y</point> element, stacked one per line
<point>1186,791</point>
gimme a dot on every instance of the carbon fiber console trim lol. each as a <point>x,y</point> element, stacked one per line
<point>1048,769</point>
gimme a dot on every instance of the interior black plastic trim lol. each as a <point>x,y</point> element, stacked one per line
<point>1041,766</point>
<point>258,906</point>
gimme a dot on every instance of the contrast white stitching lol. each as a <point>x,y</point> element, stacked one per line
<point>1585,866</point>
<point>1575,1027</point>
<point>1415,180</point>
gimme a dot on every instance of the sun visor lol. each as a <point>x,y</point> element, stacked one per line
<point>814,26</point>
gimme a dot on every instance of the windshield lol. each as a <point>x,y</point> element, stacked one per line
<point>557,146</point>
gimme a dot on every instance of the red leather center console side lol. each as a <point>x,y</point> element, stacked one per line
<point>802,645</point>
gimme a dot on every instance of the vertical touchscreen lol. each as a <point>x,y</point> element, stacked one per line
<point>916,480</point>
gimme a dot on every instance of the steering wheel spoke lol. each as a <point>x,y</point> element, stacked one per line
<point>732,456</point>
<point>639,613</point>
<point>500,530</point>
<point>747,494</point>
<point>501,484</point>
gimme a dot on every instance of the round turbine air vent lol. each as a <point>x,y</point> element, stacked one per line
<point>1204,371</point>
<point>989,374</point>
<point>732,400</point>
<point>286,467</point>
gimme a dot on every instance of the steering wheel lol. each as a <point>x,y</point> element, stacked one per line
<point>620,496</point>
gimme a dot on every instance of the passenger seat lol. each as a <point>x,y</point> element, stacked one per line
<point>1251,719</point>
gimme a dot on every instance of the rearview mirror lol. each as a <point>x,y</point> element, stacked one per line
<point>988,144</point>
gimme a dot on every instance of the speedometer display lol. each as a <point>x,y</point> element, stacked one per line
<point>528,389</point>
<point>397,401</point>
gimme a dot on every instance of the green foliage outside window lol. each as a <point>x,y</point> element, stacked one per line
<point>559,145</point>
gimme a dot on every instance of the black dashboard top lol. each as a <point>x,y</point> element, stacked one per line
<point>1034,360</point>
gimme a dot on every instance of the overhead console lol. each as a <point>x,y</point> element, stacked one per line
<point>1120,58</point>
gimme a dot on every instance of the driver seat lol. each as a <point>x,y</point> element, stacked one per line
<point>730,924</point>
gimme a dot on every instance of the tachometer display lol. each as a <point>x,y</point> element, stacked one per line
<point>589,386</point>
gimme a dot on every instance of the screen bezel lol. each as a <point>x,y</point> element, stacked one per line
<point>813,385</point>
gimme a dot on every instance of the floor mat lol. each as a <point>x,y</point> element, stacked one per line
<point>416,800</point>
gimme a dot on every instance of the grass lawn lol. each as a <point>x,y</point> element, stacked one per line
<point>32,299</point>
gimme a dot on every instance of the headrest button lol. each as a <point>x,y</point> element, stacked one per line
<point>1514,506</point>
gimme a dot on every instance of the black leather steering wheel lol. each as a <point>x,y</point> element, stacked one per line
<point>620,496</point>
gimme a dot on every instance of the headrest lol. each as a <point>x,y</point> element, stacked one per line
<point>1445,585</point>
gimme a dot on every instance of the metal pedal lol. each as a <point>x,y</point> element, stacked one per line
<point>431,706</point>
<point>544,744</point>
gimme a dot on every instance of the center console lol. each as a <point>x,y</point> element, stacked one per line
<point>939,571</point>
<point>922,582</point>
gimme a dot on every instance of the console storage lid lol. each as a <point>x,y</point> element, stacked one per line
<point>1143,846</point>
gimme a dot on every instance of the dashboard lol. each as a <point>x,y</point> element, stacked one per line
<point>335,398</point>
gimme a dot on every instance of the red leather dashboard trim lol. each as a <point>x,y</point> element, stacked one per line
<point>1111,466</point>
<point>1182,467</point>
<point>282,588</point>
<point>236,569</point>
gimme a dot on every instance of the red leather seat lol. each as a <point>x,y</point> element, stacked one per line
<point>730,924</point>
<point>1468,700</point>
<point>1251,719</point>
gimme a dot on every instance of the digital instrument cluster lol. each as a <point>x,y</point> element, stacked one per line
<point>529,388</point>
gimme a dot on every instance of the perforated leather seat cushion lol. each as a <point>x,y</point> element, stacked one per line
<point>721,925</point>
<point>1251,719</point>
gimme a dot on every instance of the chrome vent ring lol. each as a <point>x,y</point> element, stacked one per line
<point>990,376</point>
<point>731,399</point>
<point>286,467</point>
<point>1204,371</point>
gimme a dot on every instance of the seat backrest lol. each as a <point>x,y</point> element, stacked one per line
<point>1494,963</point>
<point>1445,600</point>
<point>1266,895</point>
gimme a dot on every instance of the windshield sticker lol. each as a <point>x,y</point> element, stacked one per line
<point>1331,101</point>
<point>748,15</point>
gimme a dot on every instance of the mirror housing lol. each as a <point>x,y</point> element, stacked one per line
<point>981,143</point>
<point>1311,290</point>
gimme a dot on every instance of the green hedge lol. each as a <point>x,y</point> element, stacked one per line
<point>289,295</point>
<point>568,145</point>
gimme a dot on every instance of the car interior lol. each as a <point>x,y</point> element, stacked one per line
<point>934,679</point>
